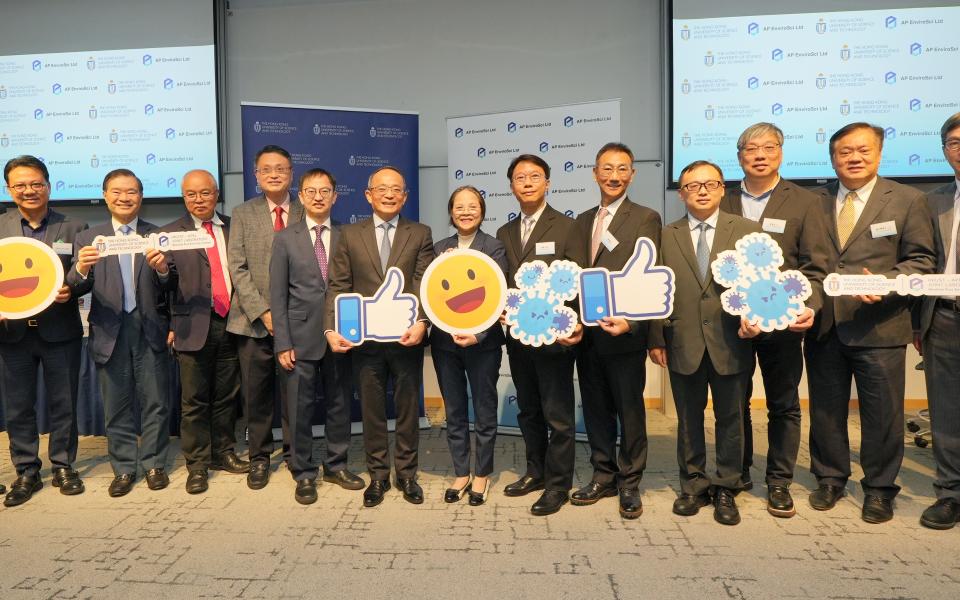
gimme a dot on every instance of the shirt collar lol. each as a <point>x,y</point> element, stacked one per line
<point>311,223</point>
<point>117,224</point>
<point>863,192</point>
<point>43,221</point>
<point>745,194</point>
<point>711,220</point>
<point>285,205</point>
<point>377,221</point>
<point>535,216</point>
<point>197,223</point>
<point>615,205</point>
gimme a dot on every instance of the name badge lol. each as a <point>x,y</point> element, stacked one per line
<point>609,241</point>
<point>63,248</point>
<point>546,248</point>
<point>887,228</point>
<point>774,225</point>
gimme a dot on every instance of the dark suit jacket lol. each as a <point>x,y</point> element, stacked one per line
<point>492,337</point>
<point>356,262</point>
<point>106,307</point>
<point>804,238</point>
<point>631,222</point>
<point>298,291</point>
<point>910,250</point>
<point>58,322</point>
<point>190,299</point>
<point>940,201</point>
<point>698,321</point>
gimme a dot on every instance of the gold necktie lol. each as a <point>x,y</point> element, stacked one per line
<point>847,218</point>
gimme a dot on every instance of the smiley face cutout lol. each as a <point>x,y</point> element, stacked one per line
<point>463,292</point>
<point>30,276</point>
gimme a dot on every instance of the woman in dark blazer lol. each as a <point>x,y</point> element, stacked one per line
<point>474,358</point>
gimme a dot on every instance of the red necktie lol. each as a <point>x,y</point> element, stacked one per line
<point>278,222</point>
<point>221,300</point>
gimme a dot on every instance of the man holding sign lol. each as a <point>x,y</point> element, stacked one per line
<point>362,258</point>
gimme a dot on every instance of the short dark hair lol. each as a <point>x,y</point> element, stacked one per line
<point>614,147</point>
<point>850,128</point>
<point>952,122</point>
<point>25,160</point>
<point>272,149</point>
<point>476,192</point>
<point>700,163</point>
<point>530,158</point>
<point>318,172</point>
<point>121,173</point>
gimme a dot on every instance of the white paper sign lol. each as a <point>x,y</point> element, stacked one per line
<point>109,245</point>
<point>904,285</point>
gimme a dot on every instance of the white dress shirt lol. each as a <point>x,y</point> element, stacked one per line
<point>863,195</point>
<point>753,206</point>
<point>711,231</point>
<point>464,242</point>
<point>608,218</point>
<point>377,222</point>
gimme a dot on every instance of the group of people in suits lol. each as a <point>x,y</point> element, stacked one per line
<point>252,317</point>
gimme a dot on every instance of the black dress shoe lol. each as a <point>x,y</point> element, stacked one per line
<point>455,494</point>
<point>3,489</point>
<point>68,481</point>
<point>121,485</point>
<point>592,493</point>
<point>157,479</point>
<point>197,481</point>
<point>779,502</point>
<point>306,491</point>
<point>412,492</point>
<point>877,509</point>
<point>825,497</point>
<point>550,502</point>
<point>22,490</point>
<point>725,507</point>
<point>688,505</point>
<point>631,506</point>
<point>478,498</point>
<point>231,464</point>
<point>944,514</point>
<point>523,486</point>
<point>259,475</point>
<point>373,495</point>
<point>344,479</point>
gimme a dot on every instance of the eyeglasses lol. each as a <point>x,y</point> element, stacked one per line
<point>202,194</point>
<point>382,190</point>
<point>952,145</point>
<point>272,170</point>
<point>314,192</point>
<point>20,188</point>
<point>609,170</point>
<point>695,186</point>
<point>533,178</point>
<point>767,149</point>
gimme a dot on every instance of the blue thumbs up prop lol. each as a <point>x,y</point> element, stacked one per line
<point>383,318</point>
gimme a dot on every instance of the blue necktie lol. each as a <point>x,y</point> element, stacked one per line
<point>703,251</point>
<point>126,272</point>
<point>385,246</point>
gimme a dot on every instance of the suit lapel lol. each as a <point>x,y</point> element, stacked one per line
<point>544,223</point>
<point>51,235</point>
<point>878,199</point>
<point>621,217</point>
<point>400,239</point>
<point>369,236</point>
<point>301,236</point>
<point>721,239</point>
<point>828,199</point>
<point>777,199</point>
<point>334,239</point>
<point>682,233</point>
<point>513,239</point>
<point>735,197</point>
<point>943,204</point>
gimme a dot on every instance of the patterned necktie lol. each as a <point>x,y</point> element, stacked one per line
<point>385,246</point>
<point>278,222</point>
<point>320,250</point>
<point>846,219</point>
<point>597,234</point>
<point>703,251</point>
<point>527,230</point>
<point>126,273</point>
<point>218,284</point>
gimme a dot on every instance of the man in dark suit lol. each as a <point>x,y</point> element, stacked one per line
<point>937,321</point>
<point>51,339</point>
<point>298,284</point>
<point>703,346</point>
<point>364,253</point>
<point>875,226</point>
<point>543,376</point>
<point>611,362</point>
<point>128,336</point>
<point>792,216</point>
<point>254,224</point>
<point>206,352</point>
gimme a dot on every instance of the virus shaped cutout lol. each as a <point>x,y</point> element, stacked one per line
<point>535,311</point>
<point>759,291</point>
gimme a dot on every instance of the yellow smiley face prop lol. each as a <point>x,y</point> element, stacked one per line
<point>463,292</point>
<point>30,276</point>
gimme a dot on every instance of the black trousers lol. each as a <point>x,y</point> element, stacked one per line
<point>941,361</point>
<point>372,366</point>
<point>690,397</point>
<point>260,386</point>
<point>611,390</point>
<point>544,382</point>
<point>18,383</point>
<point>879,374</point>
<point>781,367</point>
<point>209,392</point>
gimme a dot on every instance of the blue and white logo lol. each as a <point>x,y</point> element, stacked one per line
<point>3,92</point>
<point>458,132</point>
<point>60,185</point>
<point>776,54</point>
<point>483,194</point>
<point>776,109</point>
<point>753,83</point>
<point>511,127</point>
<point>511,216</point>
<point>458,174</point>
<point>37,65</point>
<point>38,114</point>
<point>569,212</point>
<point>890,78</point>
<point>373,131</point>
<point>916,49</point>
<point>316,129</point>
<point>94,162</point>
<point>890,133</point>
<point>58,137</point>
<point>481,152</point>
<point>352,161</point>
<point>821,26</point>
<point>151,159</point>
<point>111,87</point>
<point>915,104</point>
<point>4,141</point>
<point>92,112</point>
<point>170,133</point>
<point>147,60</point>
<point>821,81</point>
<point>544,147</point>
<point>685,86</point>
<point>821,136</point>
<point>845,52</point>
<point>171,181</point>
<point>914,159</point>
<point>568,166</point>
<point>890,22</point>
<point>753,29</point>
<point>708,113</point>
<point>686,140</point>
<point>844,108</point>
<point>57,89</point>
<point>148,110</point>
<point>168,84</point>
<point>708,59</point>
<point>568,121</point>
<point>685,33</point>
<point>256,126</point>
<point>91,64</point>
<point>114,136</point>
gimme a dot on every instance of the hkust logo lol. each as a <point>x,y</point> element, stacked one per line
<point>685,33</point>
<point>845,107</point>
<point>776,109</point>
<point>776,54</point>
<point>916,49</point>
<point>685,86</point>
<point>94,162</point>
<point>821,26</point>
<point>373,132</point>
<point>686,140</point>
<point>708,58</point>
<point>511,127</point>
<point>168,84</point>
<point>753,29</point>
<point>111,87</point>
<point>821,136</point>
<point>890,22</point>
<point>753,83</point>
<point>568,121</point>
<point>4,141</point>
<point>37,64</point>
<point>708,112</point>
<point>845,52</point>
<point>458,132</point>
<point>915,104</point>
<point>91,64</point>
<point>114,136</point>
<point>316,129</point>
<point>352,161</point>
<point>256,126</point>
<point>3,92</point>
<point>57,89</point>
<point>821,81</point>
<point>544,146</point>
<point>890,78</point>
<point>481,152</point>
<point>914,159</point>
<point>92,112</point>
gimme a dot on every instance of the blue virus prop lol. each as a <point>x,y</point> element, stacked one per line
<point>535,312</point>
<point>759,291</point>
